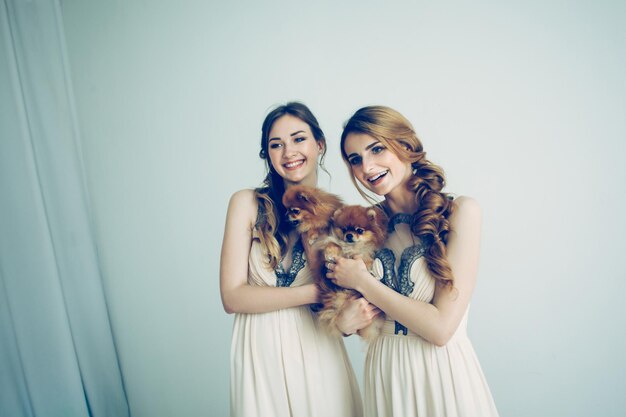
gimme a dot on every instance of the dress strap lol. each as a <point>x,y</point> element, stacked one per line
<point>397,219</point>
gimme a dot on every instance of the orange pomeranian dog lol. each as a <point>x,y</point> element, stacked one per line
<point>309,209</point>
<point>332,230</point>
<point>356,231</point>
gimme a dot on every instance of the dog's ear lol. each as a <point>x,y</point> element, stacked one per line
<point>378,218</point>
<point>336,213</point>
<point>287,198</point>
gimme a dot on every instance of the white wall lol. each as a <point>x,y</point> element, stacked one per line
<point>522,103</point>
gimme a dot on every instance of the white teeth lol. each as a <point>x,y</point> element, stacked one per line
<point>294,164</point>
<point>374,178</point>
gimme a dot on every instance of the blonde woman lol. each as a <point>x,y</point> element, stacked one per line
<point>423,364</point>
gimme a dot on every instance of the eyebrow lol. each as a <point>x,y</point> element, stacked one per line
<point>293,134</point>
<point>367,148</point>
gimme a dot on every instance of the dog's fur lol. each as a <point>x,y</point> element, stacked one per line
<point>356,231</point>
<point>309,209</point>
<point>331,230</point>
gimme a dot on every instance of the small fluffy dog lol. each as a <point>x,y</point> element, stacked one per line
<point>356,231</point>
<point>331,230</point>
<point>309,209</point>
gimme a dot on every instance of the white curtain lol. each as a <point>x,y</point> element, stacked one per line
<point>57,351</point>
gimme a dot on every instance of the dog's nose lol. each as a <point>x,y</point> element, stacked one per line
<point>350,237</point>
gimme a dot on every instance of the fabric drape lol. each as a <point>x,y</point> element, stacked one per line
<point>57,352</point>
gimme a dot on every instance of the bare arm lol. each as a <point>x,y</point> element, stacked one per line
<point>237,295</point>
<point>438,321</point>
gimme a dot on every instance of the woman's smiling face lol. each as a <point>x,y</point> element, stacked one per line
<point>373,165</point>
<point>293,151</point>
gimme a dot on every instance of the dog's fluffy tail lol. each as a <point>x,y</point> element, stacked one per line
<point>333,303</point>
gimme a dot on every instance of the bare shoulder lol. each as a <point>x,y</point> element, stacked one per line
<point>243,205</point>
<point>466,203</point>
<point>466,209</point>
<point>246,197</point>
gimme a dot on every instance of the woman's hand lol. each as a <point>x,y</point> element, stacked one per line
<point>356,314</point>
<point>347,273</point>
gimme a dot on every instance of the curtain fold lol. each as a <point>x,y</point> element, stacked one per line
<point>57,352</point>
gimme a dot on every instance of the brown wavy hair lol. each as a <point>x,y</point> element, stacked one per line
<point>430,222</point>
<point>271,224</point>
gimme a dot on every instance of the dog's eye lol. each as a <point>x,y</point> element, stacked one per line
<point>294,210</point>
<point>359,230</point>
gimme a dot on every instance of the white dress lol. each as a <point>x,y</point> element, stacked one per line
<point>407,376</point>
<point>282,363</point>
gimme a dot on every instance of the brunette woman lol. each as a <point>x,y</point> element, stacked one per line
<point>282,363</point>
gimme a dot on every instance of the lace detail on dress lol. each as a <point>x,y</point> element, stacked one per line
<point>400,282</point>
<point>409,255</point>
<point>398,218</point>
<point>285,279</point>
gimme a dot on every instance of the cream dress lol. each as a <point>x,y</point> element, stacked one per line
<point>282,363</point>
<point>405,375</point>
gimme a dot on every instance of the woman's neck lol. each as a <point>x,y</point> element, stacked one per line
<point>401,201</point>
<point>310,182</point>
